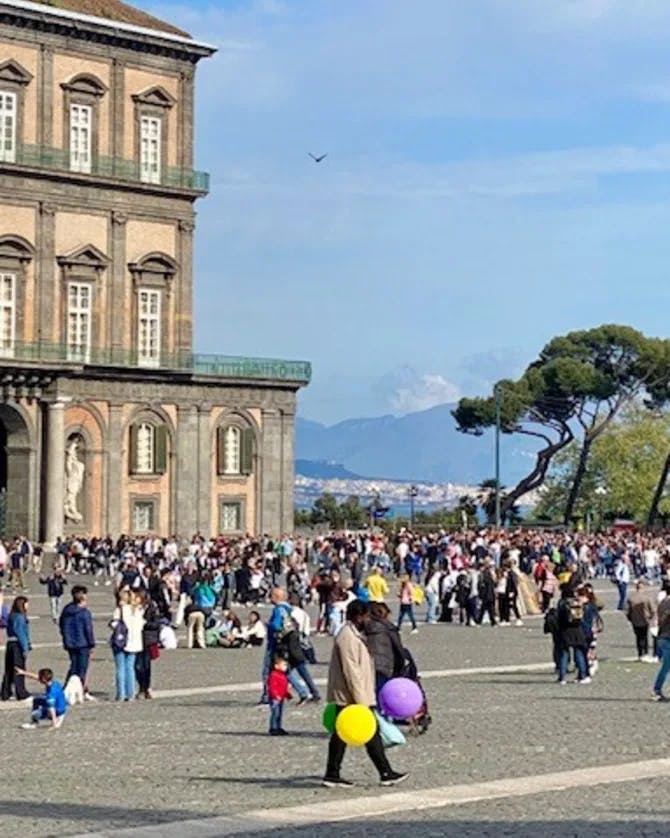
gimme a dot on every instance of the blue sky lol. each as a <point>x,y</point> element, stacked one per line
<point>498,172</point>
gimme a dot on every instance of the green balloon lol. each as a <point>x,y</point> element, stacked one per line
<point>328,717</point>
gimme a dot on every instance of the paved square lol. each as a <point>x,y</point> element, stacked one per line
<point>200,751</point>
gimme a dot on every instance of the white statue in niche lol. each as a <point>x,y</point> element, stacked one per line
<point>74,481</point>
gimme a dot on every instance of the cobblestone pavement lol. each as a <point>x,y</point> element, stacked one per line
<point>203,755</point>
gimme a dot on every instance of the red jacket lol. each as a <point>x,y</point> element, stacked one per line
<point>278,684</point>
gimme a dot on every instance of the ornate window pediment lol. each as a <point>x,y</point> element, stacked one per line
<point>87,258</point>
<point>15,248</point>
<point>155,97</point>
<point>155,269</point>
<point>14,73</point>
<point>86,84</point>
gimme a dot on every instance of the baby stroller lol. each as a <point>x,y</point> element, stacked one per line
<point>420,722</point>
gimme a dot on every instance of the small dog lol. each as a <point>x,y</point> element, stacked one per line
<point>74,690</point>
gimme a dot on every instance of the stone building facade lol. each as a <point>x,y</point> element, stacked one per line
<point>109,422</point>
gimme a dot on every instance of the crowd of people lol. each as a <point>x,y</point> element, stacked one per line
<point>216,588</point>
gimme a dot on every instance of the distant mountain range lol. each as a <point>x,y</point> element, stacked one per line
<point>419,446</point>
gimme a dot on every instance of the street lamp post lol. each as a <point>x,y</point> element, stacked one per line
<point>497,398</point>
<point>601,492</point>
<point>413,493</point>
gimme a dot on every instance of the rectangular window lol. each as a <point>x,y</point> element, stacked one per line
<point>80,138</point>
<point>8,127</point>
<point>149,328</point>
<point>7,313</point>
<point>78,322</point>
<point>150,149</point>
<point>144,516</point>
<point>231,516</point>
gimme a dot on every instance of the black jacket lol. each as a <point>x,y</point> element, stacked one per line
<point>385,646</point>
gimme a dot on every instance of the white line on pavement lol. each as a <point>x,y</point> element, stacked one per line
<point>254,686</point>
<point>385,804</point>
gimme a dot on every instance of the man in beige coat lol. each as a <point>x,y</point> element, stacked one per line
<point>351,680</point>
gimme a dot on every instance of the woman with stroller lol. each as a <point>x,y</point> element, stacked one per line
<point>385,645</point>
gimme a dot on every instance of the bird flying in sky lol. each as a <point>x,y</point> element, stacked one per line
<point>317,159</point>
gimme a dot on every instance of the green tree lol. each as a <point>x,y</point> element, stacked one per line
<point>621,473</point>
<point>601,371</point>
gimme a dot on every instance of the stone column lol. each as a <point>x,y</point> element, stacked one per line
<point>186,472</point>
<point>271,488</point>
<point>287,471</point>
<point>114,472</point>
<point>55,490</point>
<point>117,95</point>
<point>185,132</point>
<point>184,295</point>
<point>44,126</point>
<point>204,469</point>
<point>45,278</point>
<point>119,307</point>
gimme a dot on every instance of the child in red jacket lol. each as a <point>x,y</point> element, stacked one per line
<point>278,692</point>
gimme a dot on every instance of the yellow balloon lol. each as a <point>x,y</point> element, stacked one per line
<point>356,725</point>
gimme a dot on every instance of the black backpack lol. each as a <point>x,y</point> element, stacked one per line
<point>551,621</point>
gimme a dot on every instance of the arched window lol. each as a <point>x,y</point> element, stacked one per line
<point>148,448</point>
<point>235,448</point>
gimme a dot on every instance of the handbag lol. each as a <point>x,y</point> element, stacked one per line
<point>390,734</point>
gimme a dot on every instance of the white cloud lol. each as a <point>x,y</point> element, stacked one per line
<point>428,390</point>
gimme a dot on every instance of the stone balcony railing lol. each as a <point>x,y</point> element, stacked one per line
<point>115,168</point>
<point>222,366</point>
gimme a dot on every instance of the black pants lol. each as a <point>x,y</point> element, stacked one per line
<point>143,670</point>
<point>375,749</point>
<point>488,607</point>
<point>14,657</point>
<point>642,640</point>
<point>503,608</point>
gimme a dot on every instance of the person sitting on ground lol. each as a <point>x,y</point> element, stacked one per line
<point>51,706</point>
<point>254,633</point>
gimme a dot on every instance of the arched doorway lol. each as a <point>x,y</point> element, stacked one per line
<point>15,476</point>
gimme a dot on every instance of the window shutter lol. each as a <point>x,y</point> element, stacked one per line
<point>220,450</point>
<point>247,452</point>
<point>132,450</point>
<point>160,456</point>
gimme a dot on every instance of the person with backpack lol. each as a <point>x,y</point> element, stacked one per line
<point>569,615</point>
<point>76,628</point>
<point>280,623</point>
<point>126,642</point>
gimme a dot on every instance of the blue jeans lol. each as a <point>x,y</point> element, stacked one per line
<point>580,663</point>
<point>406,610</point>
<point>79,659</point>
<point>623,590</point>
<point>270,648</point>
<point>276,710</point>
<point>125,674</point>
<point>303,672</point>
<point>663,646</point>
<point>432,602</point>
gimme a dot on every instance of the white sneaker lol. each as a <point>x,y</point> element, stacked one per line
<point>414,631</point>
<point>584,681</point>
<point>59,721</point>
<point>519,623</point>
<point>89,697</point>
<point>29,726</point>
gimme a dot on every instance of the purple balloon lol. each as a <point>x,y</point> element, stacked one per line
<point>401,698</point>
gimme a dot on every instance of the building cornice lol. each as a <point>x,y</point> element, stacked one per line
<point>118,33</point>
